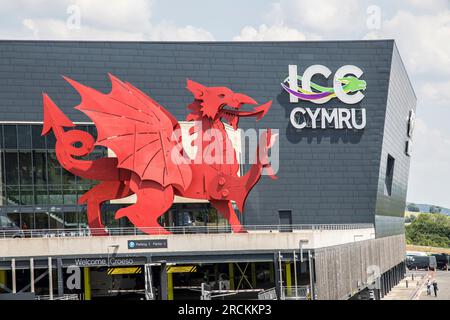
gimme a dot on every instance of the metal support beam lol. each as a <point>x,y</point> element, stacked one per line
<point>253,269</point>
<point>295,274</point>
<point>13,269</point>
<point>60,277</point>
<point>32,274</point>
<point>50,278</point>
<point>35,280</point>
<point>311,275</point>
<point>231,275</point>
<point>277,272</point>
<point>163,282</point>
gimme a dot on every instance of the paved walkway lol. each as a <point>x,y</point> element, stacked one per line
<point>443,280</point>
<point>409,288</point>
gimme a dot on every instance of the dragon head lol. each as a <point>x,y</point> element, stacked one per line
<point>353,84</point>
<point>222,103</point>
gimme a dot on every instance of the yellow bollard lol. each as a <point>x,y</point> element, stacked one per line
<point>87,284</point>
<point>288,279</point>
<point>169,286</point>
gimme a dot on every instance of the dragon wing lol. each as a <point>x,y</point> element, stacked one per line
<point>138,130</point>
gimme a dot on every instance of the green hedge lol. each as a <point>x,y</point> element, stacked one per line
<point>429,230</point>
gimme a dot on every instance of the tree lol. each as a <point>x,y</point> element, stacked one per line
<point>429,230</point>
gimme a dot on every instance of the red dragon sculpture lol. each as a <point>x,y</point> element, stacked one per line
<point>140,132</point>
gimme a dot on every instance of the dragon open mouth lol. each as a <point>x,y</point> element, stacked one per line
<point>232,114</point>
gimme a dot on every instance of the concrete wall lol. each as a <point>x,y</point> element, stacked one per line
<point>200,243</point>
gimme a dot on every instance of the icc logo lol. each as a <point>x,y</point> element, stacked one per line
<point>346,87</point>
<point>131,244</point>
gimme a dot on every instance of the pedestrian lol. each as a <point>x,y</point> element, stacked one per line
<point>435,288</point>
<point>428,287</point>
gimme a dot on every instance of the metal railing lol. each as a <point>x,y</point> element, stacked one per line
<point>87,232</point>
<point>63,297</point>
<point>287,293</point>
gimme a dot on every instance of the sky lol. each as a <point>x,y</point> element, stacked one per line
<point>421,30</point>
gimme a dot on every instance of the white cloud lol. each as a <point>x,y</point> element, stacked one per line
<point>99,20</point>
<point>272,33</point>
<point>325,17</point>
<point>429,172</point>
<point>423,40</point>
<point>168,31</point>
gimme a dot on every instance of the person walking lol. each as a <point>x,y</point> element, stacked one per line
<point>435,288</point>
<point>428,287</point>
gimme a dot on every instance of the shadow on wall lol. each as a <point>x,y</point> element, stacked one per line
<point>315,135</point>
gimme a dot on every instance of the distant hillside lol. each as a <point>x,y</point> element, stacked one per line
<point>426,208</point>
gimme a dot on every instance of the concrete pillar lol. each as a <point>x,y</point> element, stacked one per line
<point>163,282</point>
<point>87,283</point>
<point>231,275</point>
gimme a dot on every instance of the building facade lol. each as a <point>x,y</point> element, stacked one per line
<point>345,164</point>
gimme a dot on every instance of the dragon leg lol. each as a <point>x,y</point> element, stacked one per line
<point>102,192</point>
<point>226,209</point>
<point>152,201</point>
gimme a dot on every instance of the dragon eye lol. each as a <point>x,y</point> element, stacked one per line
<point>221,96</point>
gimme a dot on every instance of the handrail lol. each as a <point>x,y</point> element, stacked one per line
<point>87,232</point>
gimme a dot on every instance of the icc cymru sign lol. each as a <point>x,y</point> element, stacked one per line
<point>347,88</point>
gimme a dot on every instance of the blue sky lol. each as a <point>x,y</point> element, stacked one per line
<point>420,28</point>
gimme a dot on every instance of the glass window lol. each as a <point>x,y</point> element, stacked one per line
<point>1,137</point>
<point>56,220</point>
<point>12,195</point>
<point>40,195</point>
<point>70,196</point>
<point>10,135</point>
<point>27,220</point>
<point>40,167</point>
<point>25,168</point>
<point>24,136</point>
<point>51,141</point>
<point>82,217</point>
<point>11,168</point>
<point>14,217</point>
<point>54,169</point>
<point>68,178</point>
<point>55,194</point>
<point>70,220</point>
<point>389,175</point>
<point>38,140</point>
<point>41,220</point>
<point>26,195</point>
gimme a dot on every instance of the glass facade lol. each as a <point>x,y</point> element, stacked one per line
<point>37,193</point>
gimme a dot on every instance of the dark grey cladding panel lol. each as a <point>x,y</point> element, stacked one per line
<point>325,176</point>
<point>401,99</point>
